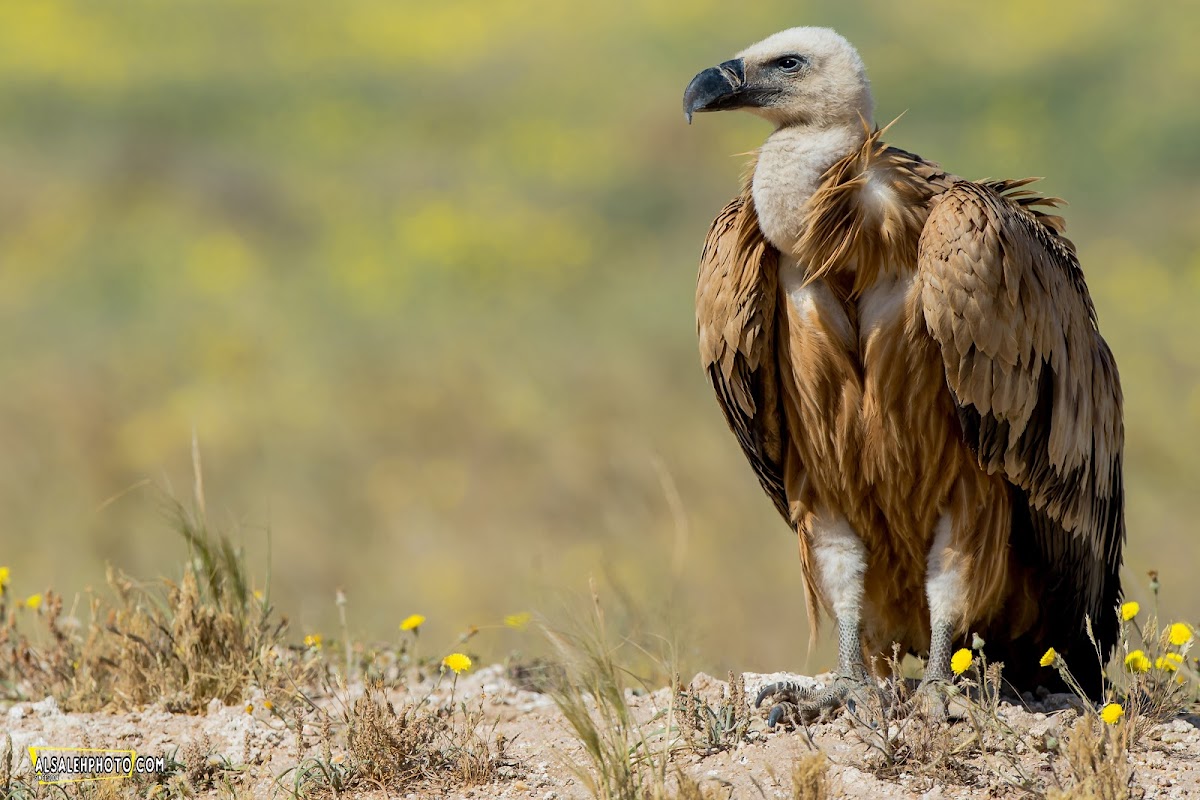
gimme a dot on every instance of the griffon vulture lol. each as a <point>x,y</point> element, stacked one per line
<point>911,364</point>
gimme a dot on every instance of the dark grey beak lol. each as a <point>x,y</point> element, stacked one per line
<point>716,89</point>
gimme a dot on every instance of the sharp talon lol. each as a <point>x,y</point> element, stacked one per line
<point>782,687</point>
<point>793,703</point>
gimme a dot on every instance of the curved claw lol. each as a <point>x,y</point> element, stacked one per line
<point>794,703</point>
<point>782,687</point>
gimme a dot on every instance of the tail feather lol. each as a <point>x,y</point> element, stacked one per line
<point>1083,633</point>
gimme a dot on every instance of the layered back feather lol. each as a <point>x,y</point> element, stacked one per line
<point>868,213</point>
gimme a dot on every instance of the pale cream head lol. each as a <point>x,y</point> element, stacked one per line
<point>810,77</point>
<point>829,88</point>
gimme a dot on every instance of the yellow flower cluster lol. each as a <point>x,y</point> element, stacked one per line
<point>1137,661</point>
<point>1130,610</point>
<point>1179,634</point>
<point>412,622</point>
<point>961,661</point>
<point>1169,663</point>
<point>4,575</point>
<point>1112,713</point>
<point>33,602</point>
<point>457,662</point>
<point>1049,658</point>
<point>313,641</point>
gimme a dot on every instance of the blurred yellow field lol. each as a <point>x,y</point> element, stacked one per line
<point>420,275</point>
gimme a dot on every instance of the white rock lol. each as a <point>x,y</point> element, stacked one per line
<point>46,708</point>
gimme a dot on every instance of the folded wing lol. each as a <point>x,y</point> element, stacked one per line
<point>735,319</point>
<point>1037,388</point>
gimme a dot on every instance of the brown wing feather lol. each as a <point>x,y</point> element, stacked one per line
<point>1037,387</point>
<point>735,320</point>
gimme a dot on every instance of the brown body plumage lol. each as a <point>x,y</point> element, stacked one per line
<point>924,358</point>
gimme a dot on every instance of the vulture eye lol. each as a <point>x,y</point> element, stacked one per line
<point>790,63</point>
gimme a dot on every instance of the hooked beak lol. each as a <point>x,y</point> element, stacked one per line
<point>717,89</point>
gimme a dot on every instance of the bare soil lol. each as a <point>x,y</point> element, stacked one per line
<point>545,752</point>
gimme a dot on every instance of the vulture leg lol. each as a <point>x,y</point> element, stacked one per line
<point>945,589</point>
<point>841,560</point>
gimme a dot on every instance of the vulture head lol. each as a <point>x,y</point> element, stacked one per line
<point>801,76</point>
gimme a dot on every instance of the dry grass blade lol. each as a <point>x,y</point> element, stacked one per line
<point>182,643</point>
<point>708,728</point>
<point>810,777</point>
<point>1097,760</point>
<point>415,746</point>
<point>626,762</point>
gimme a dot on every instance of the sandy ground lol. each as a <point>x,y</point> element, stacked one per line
<point>1166,764</point>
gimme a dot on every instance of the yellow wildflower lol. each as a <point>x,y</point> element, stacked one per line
<point>1112,713</point>
<point>518,621</point>
<point>412,622</point>
<point>1170,662</point>
<point>258,595</point>
<point>268,705</point>
<point>1049,658</point>
<point>960,662</point>
<point>1130,610</point>
<point>34,601</point>
<point>4,575</point>
<point>1179,634</point>
<point>249,708</point>
<point>1137,661</point>
<point>313,640</point>
<point>457,662</point>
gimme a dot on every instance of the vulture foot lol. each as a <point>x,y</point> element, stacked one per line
<point>795,705</point>
<point>937,701</point>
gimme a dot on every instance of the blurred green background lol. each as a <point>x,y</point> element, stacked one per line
<point>420,276</point>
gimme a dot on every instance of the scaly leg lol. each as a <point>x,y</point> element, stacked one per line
<point>945,589</point>
<point>841,560</point>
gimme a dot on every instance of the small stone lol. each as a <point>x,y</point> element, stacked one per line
<point>46,708</point>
